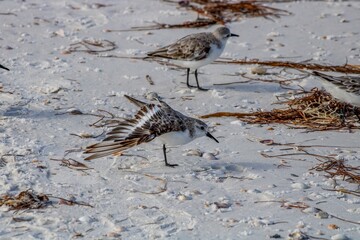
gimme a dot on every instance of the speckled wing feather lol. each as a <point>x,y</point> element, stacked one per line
<point>138,103</point>
<point>150,121</point>
<point>350,84</point>
<point>193,47</point>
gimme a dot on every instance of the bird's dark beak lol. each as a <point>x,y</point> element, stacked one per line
<point>1,66</point>
<point>212,137</point>
<point>234,35</point>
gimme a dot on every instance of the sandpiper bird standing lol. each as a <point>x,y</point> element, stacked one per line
<point>195,50</point>
<point>1,66</point>
<point>151,121</point>
<point>344,88</point>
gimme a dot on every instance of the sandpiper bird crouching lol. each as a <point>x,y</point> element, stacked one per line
<point>195,50</point>
<point>151,121</point>
<point>344,88</point>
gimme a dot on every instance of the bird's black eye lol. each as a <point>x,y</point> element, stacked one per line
<point>202,128</point>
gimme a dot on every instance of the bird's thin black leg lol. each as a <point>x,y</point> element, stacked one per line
<point>1,66</point>
<point>197,82</point>
<point>166,162</point>
<point>187,78</point>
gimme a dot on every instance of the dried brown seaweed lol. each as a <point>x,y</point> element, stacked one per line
<point>346,68</point>
<point>198,23</point>
<point>283,82</point>
<point>229,11</point>
<point>105,118</point>
<point>72,164</point>
<point>28,199</point>
<point>216,12</point>
<point>25,200</point>
<point>328,164</point>
<point>344,191</point>
<point>338,168</point>
<point>316,111</point>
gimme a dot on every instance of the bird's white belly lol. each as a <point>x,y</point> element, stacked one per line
<point>175,138</point>
<point>342,95</point>
<point>214,54</point>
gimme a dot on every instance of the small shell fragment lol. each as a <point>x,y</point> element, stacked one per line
<point>196,192</point>
<point>74,111</point>
<point>152,96</point>
<point>297,235</point>
<point>299,186</point>
<point>310,210</point>
<point>332,226</point>
<point>193,152</point>
<point>340,237</point>
<point>322,215</point>
<point>258,70</point>
<point>209,156</point>
<point>182,197</point>
<point>267,141</point>
<point>85,135</point>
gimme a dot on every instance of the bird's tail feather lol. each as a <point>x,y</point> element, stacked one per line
<point>108,148</point>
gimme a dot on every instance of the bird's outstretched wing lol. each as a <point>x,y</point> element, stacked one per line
<point>135,101</point>
<point>149,122</point>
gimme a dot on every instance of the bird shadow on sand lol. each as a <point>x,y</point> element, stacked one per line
<point>238,83</point>
<point>251,87</point>
<point>31,113</point>
<point>197,164</point>
<point>257,166</point>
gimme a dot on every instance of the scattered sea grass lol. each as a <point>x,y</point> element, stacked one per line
<point>344,191</point>
<point>28,199</point>
<point>302,206</point>
<point>329,164</point>
<point>72,164</point>
<point>160,189</point>
<point>25,200</point>
<point>316,111</point>
<point>277,78</point>
<point>7,13</point>
<point>346,68</point>
<point>91,46</point>
<point>338,168</point>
